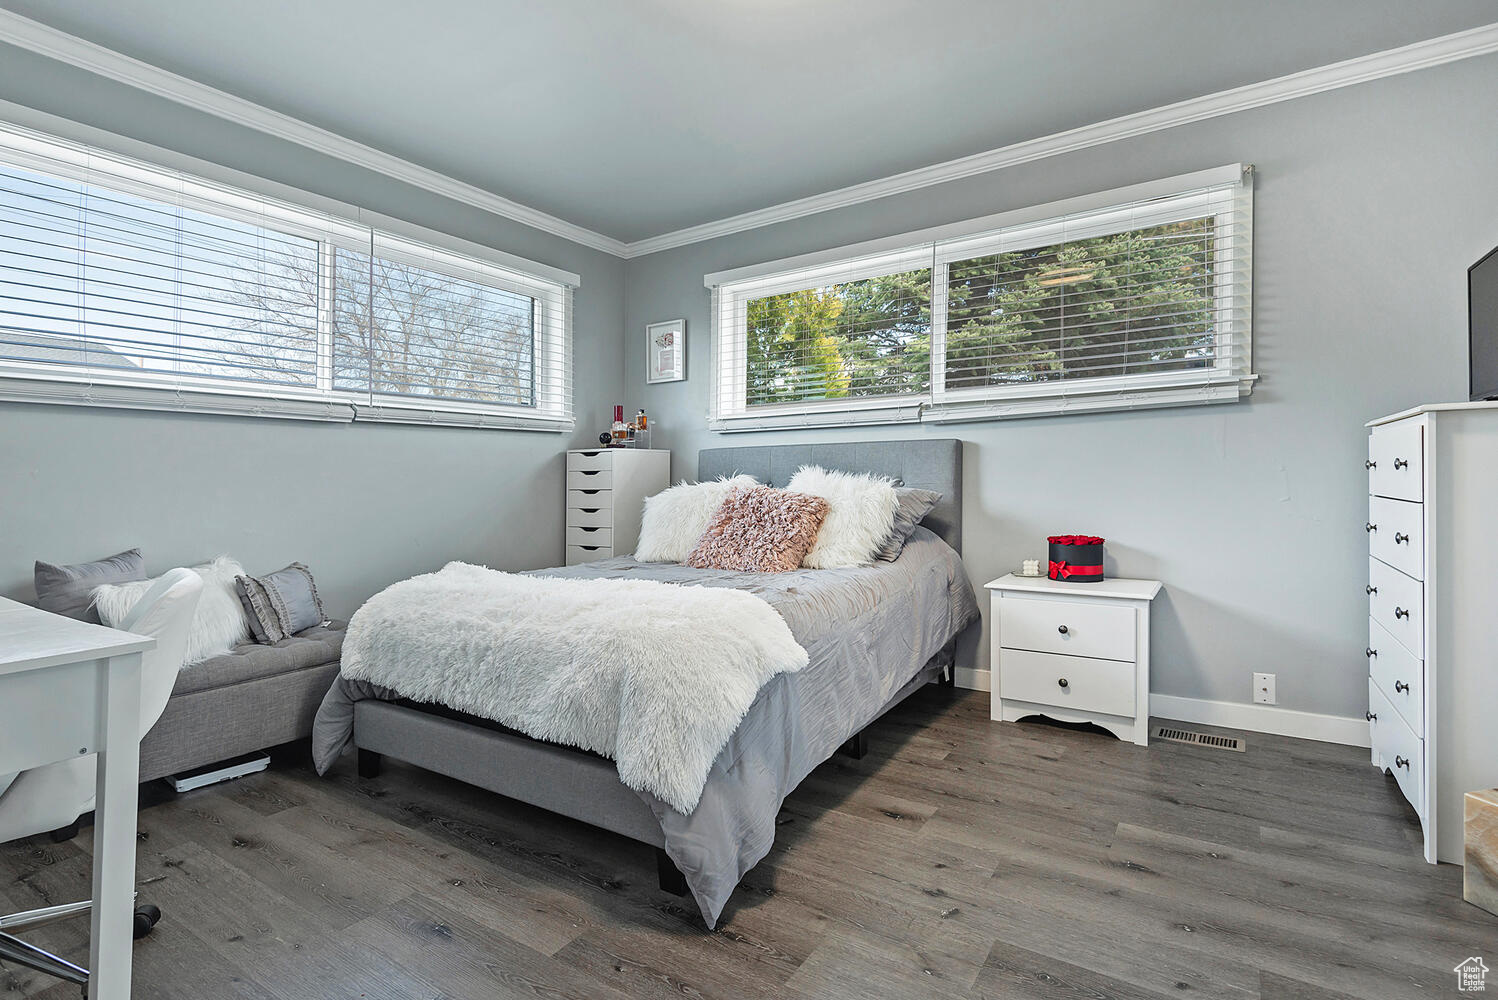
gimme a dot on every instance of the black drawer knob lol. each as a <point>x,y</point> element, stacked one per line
<point>1403,762</point>
<point>1370,527</point>
<point>1062,629</point>
<point>1371,589</point>
<point>1370,464</point>
<point>1064,682</point>
<point>1370,651</point>
<point>1400,463</point>
<point>1401,613</point>
<point>1401,539</point>
<point>1371,716</point>
<point>1400,687</point>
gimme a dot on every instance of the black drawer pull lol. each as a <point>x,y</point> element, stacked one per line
<point>1401,539</point>
<point>1370,527</point>
<point>1400,463</point>
<point>1370,464</point>
<point>1401,613</point>
<point>1063,630</point>
<point>1403,762</point>
<point>1371,589</point>
<point>1400,687</point>
<point>1370,652</point>
<point>587,472</point>
<point>1064,682</point>
<point>1371,716</point>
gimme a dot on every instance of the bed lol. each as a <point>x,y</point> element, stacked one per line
<point>873,635</point>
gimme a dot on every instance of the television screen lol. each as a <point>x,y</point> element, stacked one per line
<point>1482,332</point>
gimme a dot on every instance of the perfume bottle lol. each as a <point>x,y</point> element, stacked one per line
<point>618,429</point>
<point>642,430</point>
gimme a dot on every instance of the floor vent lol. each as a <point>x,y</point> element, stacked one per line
<point>1174,735</point>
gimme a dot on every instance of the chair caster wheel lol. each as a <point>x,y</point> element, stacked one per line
<point>146,918</point>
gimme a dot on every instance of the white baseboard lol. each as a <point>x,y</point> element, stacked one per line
<point>1263,719</point>
<point>1231,715</point>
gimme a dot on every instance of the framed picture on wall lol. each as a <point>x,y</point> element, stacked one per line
<point>666,351</point>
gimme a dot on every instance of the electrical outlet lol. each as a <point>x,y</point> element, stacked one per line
<point>1264,689</point>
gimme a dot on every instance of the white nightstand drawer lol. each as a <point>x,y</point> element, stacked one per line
<point>588,553</point>
<point>1396,534</point>
<point>584,479</point>
<point>590,461</point>
<point>590,536</point>
<point>1079,683</point>
<point>1399,674</point>
<point>1400,750</point>
<point>591,499</point>
<point>1396,460</point>
<point>1103,631</point>
<point>596,517</point>
<point>1398,604</point>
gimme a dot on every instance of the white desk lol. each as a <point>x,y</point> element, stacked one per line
<point>69,688</point>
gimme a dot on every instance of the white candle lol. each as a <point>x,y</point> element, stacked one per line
<point>1032,567</point>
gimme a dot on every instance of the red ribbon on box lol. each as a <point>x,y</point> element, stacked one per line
<point>1062,570</point>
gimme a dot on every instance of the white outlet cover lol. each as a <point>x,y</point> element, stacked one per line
<point>1264,689</point>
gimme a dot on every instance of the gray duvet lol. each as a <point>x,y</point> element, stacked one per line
<point>868,632</point>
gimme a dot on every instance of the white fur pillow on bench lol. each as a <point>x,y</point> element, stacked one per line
<point>861,512</point>
<point>217,626</point>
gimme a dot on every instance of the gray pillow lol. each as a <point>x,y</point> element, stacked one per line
<point>914,506</point>
<point>68,590</point>
<point>280,604</point>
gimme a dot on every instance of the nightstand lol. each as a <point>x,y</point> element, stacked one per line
<point>606,491</point>
<point>1076,652</point>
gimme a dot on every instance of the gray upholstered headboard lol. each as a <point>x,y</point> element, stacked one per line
<point>926,464</point>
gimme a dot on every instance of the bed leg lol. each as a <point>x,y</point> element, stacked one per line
<point>858,745</point>
<point>671,878</point>
<point>369,763</point>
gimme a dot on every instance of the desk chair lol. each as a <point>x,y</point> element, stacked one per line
<point>53,796</point>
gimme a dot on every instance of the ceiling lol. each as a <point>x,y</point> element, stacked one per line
<point>639,117</point>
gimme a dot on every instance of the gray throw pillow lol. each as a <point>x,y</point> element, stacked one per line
<point>68,590</point>
<point>914,506</point>
<point>280,604</point>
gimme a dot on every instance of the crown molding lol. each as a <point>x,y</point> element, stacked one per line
<point>34,36</point>
<point>1363,69</point>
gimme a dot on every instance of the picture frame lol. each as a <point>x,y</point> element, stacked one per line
<point>666,351</point>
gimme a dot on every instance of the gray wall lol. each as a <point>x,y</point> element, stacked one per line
<point>362,504</point>
<point>1370,203</point>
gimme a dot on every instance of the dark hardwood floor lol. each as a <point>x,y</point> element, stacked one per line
<point>959,858</point>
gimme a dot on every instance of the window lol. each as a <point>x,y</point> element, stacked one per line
<point>1133,298</point>
<point>126,284</point>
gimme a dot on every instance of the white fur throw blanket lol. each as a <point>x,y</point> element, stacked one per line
<point>652,675</point>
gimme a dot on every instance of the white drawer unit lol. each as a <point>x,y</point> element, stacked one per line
<point>606,491</point>
<point>1432,609</point>
<point>1077,652</point>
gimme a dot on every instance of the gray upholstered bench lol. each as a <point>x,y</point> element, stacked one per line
<point>251,698</point>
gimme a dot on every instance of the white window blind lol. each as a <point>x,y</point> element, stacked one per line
<point>126,284</point>
<point>1118,302</point>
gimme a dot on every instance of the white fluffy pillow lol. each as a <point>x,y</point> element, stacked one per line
<point>861,512</point>
<point>675,518</point>
<point>219,623</point>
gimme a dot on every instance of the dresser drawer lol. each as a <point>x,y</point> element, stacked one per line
<point>585,479</point>
<point>590,536</point>
<point>590,499</point>
<point>596,517</point>
<point>590,461</point>
<point>1102,631</point>
<point>1079,683</point>
<point>1396,460</point>
<point>1401,751</point>
<point>1397,603</point>
<point>1399,674</point>
<point>1396,534</point>
<point>588,553</point>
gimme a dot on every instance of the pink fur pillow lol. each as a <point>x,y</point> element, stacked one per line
<point>760,530</point>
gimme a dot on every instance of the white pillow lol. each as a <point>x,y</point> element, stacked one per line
<point>219,623</point>
<point>860,515</point>
<point>675,518</point>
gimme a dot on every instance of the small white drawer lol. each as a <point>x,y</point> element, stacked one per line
<point>590,536</point>
<point>1396,460</point>
<point>1078,683</point>
<point>590,461</point>
<point>1103,631</point>
<point>1401,751</point>
<point>588,553</point>
<point>1396,534</point>
<point>596,517</point>
<point>599,499</point>
<point>1397,603</point>
<point>1399,674</point>
<point>585,479</point>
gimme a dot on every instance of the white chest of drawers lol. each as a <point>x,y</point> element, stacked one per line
<point>1433,609</point>
<point>606,491</point>
<point>1077,652</point>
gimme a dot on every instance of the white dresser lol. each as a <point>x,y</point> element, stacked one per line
<point>1077,652</point>
<point>1433,609</point>
<point>606,491</point>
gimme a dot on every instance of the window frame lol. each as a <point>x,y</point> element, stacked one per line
<point>331,225</point>
<point>1226,193</point>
